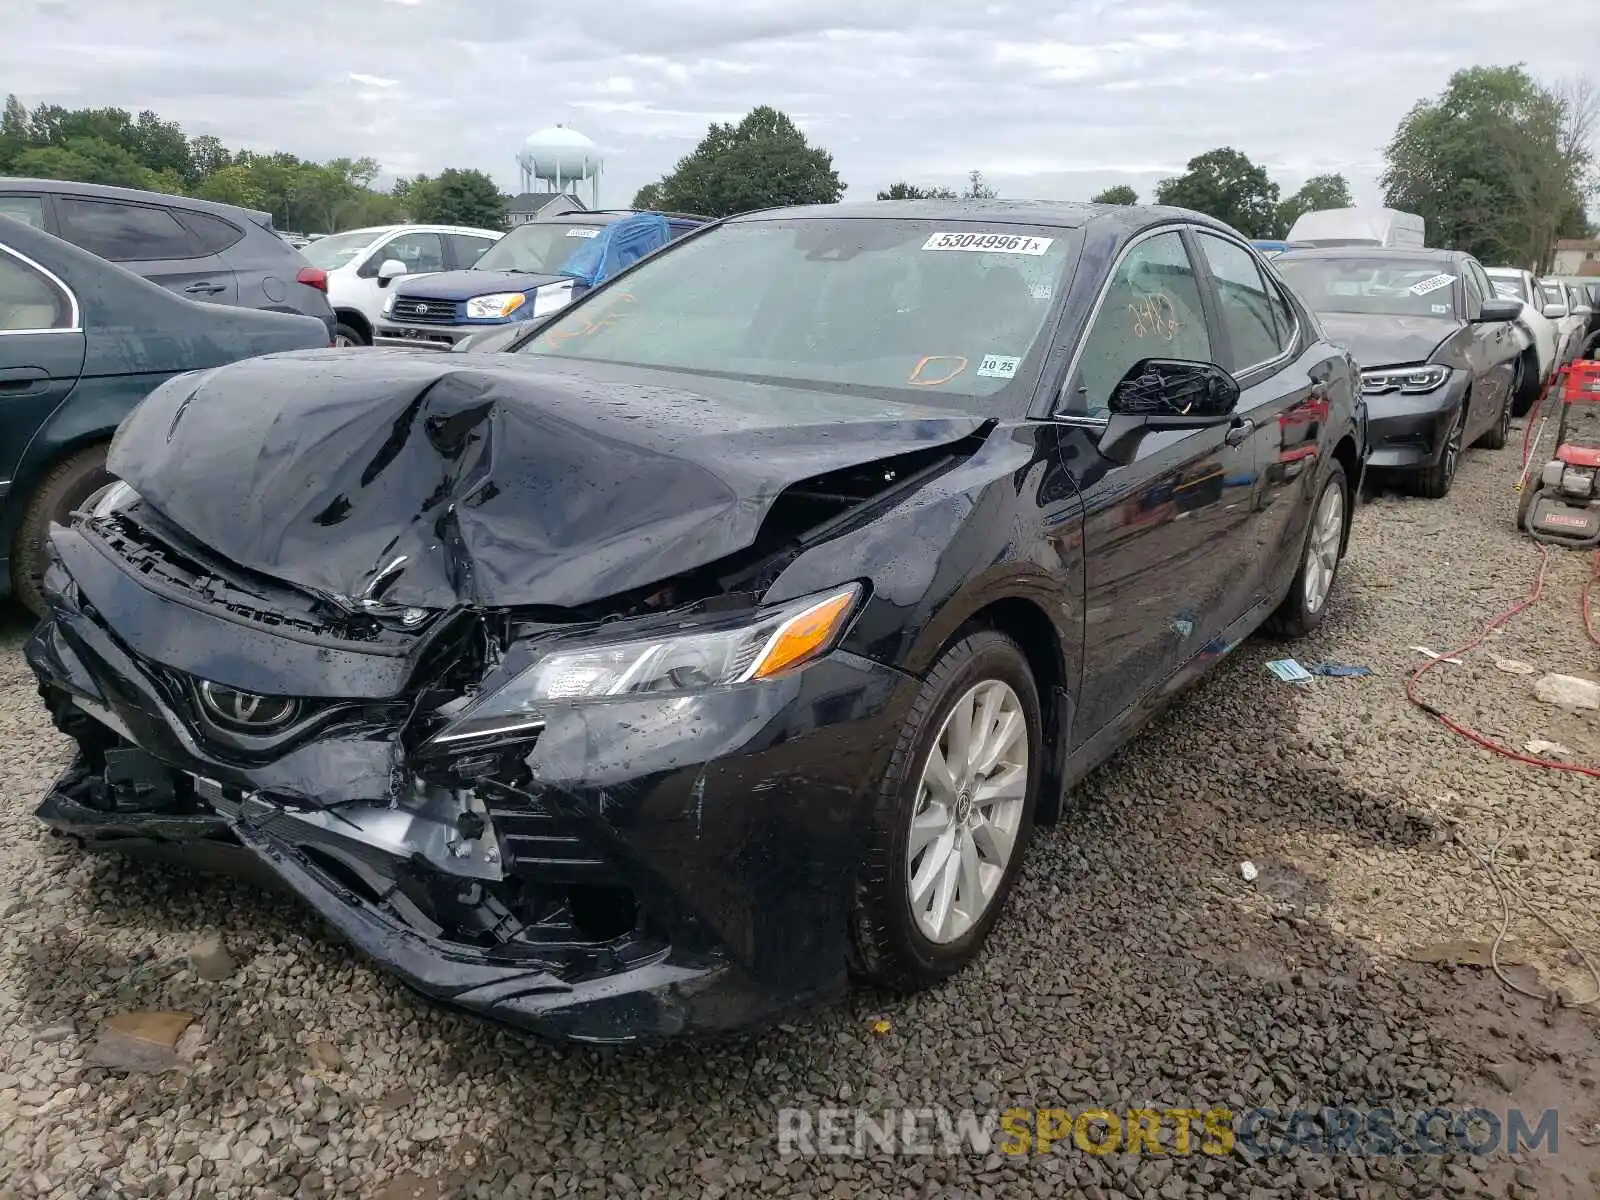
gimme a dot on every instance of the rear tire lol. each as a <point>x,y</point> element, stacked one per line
<point>1305,608</point>
<point>892,946</point>
<point>1526,388</point>
<point>70,482</point>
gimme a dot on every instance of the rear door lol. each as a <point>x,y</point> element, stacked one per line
<point>1284,402</point>
<point>41,353</point>
<point>147,239</point>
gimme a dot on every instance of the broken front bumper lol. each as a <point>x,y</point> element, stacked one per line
<point>676,865</point>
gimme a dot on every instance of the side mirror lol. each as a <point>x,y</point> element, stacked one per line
<point>1161,394</point>
<point>1555,311</point>
<point>390,270</point>
<point>1498,310</point>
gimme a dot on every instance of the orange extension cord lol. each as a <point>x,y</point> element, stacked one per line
<point>1535,593</point>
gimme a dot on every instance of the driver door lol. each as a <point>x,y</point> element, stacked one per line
<point>1166,534</point>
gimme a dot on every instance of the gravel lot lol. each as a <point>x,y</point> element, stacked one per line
<point>1136,966</point>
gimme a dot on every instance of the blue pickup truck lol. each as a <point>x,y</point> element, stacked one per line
<point>537,269</point>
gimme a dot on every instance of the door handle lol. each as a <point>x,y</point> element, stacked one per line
<point>1239,432</point>
<point>22,379</point>
<point>204,289</point>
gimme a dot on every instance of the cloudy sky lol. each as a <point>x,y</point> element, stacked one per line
<point>1054,98</point>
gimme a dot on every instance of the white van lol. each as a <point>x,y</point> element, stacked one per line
<point>1359,227</point>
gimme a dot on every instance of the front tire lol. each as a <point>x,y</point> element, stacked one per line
<point>70,482</point>
<point>1306,605</point>
<point>1500,434</point>
<point>952,818</point>
<point>1434,483</point>
<point>1525,388</point>
<point>348,336</point>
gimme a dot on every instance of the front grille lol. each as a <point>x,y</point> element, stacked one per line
<point>537,842</point>
<point>425,312</point>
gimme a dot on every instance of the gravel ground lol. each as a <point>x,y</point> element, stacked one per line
<point>1136,965</point>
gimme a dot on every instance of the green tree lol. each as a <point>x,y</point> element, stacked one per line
<point>1485,166</point>
<point>1316,193</point>
<point>978,188</point>
<point>910,191</point>
<point>160,146</point>
<point>762,162</point>
<point>208,155</point>
<point>1119,193</point>
<point>84,160</point>
<point>1225,184</point>
<point>14,122</point>
<point>648,198</point>
<point>458,197</point>
<point>232,185</point>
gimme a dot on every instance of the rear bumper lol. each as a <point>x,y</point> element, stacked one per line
<point>730,821</point>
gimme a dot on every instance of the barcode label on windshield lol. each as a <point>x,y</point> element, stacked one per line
<point>989,243</point>
<point>1432,285</point>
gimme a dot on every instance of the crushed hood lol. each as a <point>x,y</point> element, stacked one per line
<point>430,480</point>
<point>1384,341</point>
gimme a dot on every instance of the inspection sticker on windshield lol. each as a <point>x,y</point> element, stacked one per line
<point>1432,285</point>
<point>583,233</point>
<point>1440,310</point>
<point>989,243</point>
<point>998,366</point>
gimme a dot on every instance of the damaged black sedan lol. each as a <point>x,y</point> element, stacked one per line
<point>729,636</point>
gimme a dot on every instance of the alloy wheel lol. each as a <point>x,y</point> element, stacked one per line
<point>968,813</point>
<point>1322,550</point>
<point>1452,448</point>
<point>343,342</point>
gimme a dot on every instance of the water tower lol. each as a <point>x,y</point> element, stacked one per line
<point>558,160</point>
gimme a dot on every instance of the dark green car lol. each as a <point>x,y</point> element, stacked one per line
<point>81,342</point>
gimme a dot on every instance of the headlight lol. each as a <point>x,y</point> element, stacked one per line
<point>114,497</point>
<point>552,297</point>
<point>388,303</point>
<point>686,659</point>
<point>1412,381</point>
<point>501,304</point>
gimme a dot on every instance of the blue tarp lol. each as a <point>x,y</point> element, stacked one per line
<point>618,245</point>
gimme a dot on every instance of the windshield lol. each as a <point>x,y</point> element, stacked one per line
<point>1382,286</point>
<point>537,249</point>
<point>1510,288</point>
<point>950,311</point>
<point>335,251</point>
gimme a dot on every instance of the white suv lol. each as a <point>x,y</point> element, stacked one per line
<point>362,263</point>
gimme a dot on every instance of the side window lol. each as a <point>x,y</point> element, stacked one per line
<point>1151,310</point>
<point>1245,304</point>
<point>27,209</point>
<point>29,301</point>
<point>212,233</point>
<point>123,232</point>
<point>419,251</point>
<point>1475,292</point>
<point>466,248</point>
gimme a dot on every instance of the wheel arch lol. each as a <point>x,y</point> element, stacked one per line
<point>356,319</point>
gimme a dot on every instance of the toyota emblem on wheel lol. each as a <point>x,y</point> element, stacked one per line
<point>246,710</point>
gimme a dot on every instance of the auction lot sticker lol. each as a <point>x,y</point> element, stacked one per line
<point>1432,284</point>
<point>989,243</point>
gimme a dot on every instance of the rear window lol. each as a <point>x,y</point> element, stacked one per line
<point>123,232</point>
<point>212,233</point>
<point>949,312</point>
<point>27,209</point>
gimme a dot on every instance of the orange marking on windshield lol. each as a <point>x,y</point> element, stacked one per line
<point>916,380</point>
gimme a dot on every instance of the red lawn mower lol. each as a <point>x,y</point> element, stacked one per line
<point>1561,501</point>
